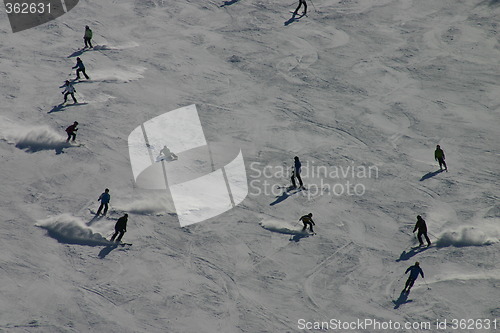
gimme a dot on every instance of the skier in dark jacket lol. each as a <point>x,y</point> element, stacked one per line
<point>80,68</point>
<point>421,226</point>
<point>104,198</point>
<point>87,37</point>
<point>71,130</point>
<point>307,220</point>
<point>301,2</point>
<point>296,172</point>
<point>439,156</point>
<point>69,90</point>
<point>414,270</point>
<point>120,228</point>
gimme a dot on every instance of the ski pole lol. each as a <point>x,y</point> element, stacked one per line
<point>314,6</point>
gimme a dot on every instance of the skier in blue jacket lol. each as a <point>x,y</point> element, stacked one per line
<point>414,270</point>
<point>104,198</point>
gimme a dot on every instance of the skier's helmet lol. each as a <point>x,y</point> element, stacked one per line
<point>419,217</point>
<point>67,81</point>
<point>310,214</point>
<point>417,264</point>
<point>126,215</point>
<point>87,27</point>
<point>438,146</point>
<point>78,59</point>
<point>75,123</point>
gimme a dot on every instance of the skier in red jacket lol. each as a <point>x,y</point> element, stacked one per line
<point>71,130</point>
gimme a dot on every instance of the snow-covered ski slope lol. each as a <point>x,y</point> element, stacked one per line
<point>356,84</point>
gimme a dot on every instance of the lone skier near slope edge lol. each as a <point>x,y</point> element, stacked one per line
<point>421,226</point>
<point>414,270</point>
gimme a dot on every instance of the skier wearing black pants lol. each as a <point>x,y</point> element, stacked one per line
<point>296,172</point>
<point>87,37</point>
<point>421,226</point>
<point>104,199</point>
<point>81,68</point>
<point>71,130</point>
<point>307,220</point>
<point>414,270</point>
<point>439,156</point>
<point>301,2</point>
<point>69,90</point>
<point>120,228</point>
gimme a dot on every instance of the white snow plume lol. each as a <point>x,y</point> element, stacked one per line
<point>154,205</point>
<point>66,228</point>
<point>469,236</point>
<point>281,227</point>
<point>33,138</point>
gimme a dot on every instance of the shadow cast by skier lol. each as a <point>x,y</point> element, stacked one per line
<point>94,219</point>
<point>62,106</point>
<point>297,237</point>
<point>107,250</point>
<point>430,175</point>
<point>294,18</point>
<point>229,3</point>
<point>403,299</point>
<point>57,108</point>
<point>280,198</point>
<point>77,53</point>
<point>414,251</point>
<point>33,147</point>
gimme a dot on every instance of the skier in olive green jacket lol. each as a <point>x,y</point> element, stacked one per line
<point>87,37</point>
<point>439,156</point>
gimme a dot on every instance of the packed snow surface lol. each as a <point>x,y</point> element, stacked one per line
<point>361,90</point>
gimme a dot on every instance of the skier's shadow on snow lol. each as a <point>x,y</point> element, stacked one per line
<point>77,53</point>
<point>229,3</point>
<point>298,237</point>
<point>106,250</point>
<point>414,251</point>
<point>280,198</point>
<point>62,106</point>
<point>33,147</point>
<point>294,18</point>
<point>403,298</point>
<point>94,220</point>
<point>57,108</point>
<point>430,175</point>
